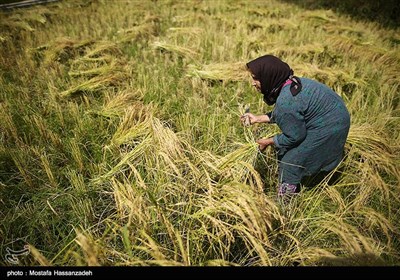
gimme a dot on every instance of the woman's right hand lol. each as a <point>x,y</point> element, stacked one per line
<point>248,119</point>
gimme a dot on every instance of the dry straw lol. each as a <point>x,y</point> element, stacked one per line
<point>221,71</point>
<point>173,48</point>
<point>93,66</point>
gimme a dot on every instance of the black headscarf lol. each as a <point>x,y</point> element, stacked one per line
<point>272,74</point>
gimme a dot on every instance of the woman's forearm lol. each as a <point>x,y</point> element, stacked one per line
<point>263,119</point>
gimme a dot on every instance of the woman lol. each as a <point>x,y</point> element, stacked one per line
<point>313,119</point>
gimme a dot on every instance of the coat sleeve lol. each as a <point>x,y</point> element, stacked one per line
<point>270,116</point>
<point>290,119</point>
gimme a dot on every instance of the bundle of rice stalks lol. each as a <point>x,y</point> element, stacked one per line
<point>363,50</point>
<point>100,59</point>
<point>345,29</point>
<point>17,24</point>
<point>373,148</point>
<point>254,25</point>
<point>358,248</point>
<point>264,13</point>
<point>143,138</point>
<point>220,72</point>
<point>179,50</point>
<point>239,165</point>
<point>234,213</point>
<point>319,17</point>
<point>135,125</point>
<point>307,51</point>
<point>101,48</point>
<point>97,83</point>
<point>328,75</point>
<point>144,30</point>
<point>272,26</point>
<point>96,68</point>
<point>170,193</point>
<point>93,72</point>
<point>373,163</point>
<point>115,105</point>
<point>185,30</point>
<point>244,152</point>
<point>63,50</point>
<point>38,16</point>
<point>24,21</point>
<point>188,19</point>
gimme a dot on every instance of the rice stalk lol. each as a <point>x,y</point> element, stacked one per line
<point>130,157</point>
<point>103,48</point>
<point>172,48</point>
<point>23,167</point>
<point>135,125</point>
<point>370,184</point>
<point>44,131</point>
<point>92,72</point>
<point>95,84</point>
<point>16,23</point>
<point>335,197</point>
<point>310,256</point>
<point>38,256</point>
<point>131,202</point>
<point>328,75</point>
<point>370,52</point>
<point>235,209</point>
<point>63,49</point>
<point>7,125</point>
<point>47,167</point>
<point>340,29</point>
<point>76,153</point>
<point>115,105</point>
<point>373,147</point>
<point>220,72</point>
<point>144,30</point>
<point>319,16</point>
<point>77,181</point>
<point>89,247</point>
<point>360,249</point>
<point>37,17</point>
<point>155,250</point>
<point>306,51</point>
<point>89,61</point>
<point>247,153</point>
<point>186,30</point>
<point>376,223</point>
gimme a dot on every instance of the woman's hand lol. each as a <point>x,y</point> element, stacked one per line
<point>249,119</point>
<point>264,143</point>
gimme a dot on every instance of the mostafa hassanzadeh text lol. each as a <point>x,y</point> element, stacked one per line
<point>56,272</point>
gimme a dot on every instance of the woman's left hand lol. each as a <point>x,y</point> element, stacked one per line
<point>264,143</point>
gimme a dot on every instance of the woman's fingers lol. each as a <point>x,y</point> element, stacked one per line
<point>248,119</point>
<point>263,144</point>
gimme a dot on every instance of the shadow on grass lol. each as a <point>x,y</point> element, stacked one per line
<point>384,12</point>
